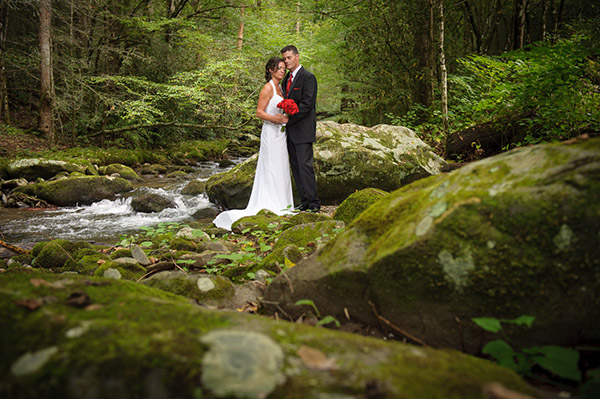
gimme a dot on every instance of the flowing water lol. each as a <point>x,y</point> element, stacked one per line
<point>106,221</point>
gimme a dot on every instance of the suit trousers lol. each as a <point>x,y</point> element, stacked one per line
<point>301,161</point>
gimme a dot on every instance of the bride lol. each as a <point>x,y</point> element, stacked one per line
<point>272,187</point>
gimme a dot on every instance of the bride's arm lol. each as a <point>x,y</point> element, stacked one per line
<point>263,100</point>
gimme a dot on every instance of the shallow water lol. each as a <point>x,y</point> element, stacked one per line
<point>106,220</point>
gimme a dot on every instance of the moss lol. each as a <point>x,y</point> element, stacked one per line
<point>124,171</point>
<point>263,221</point>
<point>181,244</point>
<point>356,203</point>
<point>121,253</point>
<point>86,263</point>
<point>128,271</point>
<point>54,254</point>
<point>23,259</point>
<point>177,174</point>
<point>35,251</point>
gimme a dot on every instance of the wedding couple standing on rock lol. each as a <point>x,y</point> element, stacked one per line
<point>281,147</point>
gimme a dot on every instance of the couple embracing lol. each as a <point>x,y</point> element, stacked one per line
<point>285,140</point>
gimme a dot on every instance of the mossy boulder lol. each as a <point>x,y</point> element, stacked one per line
<point>82,190</point>
<point>356,203</point>
<point>131,341</point>
<point>34,168</point>
<point>209,289</point>
<point>348,157</point>
<point>124,171</point>
<point>86,264</point>
<point>516,234</point>
<point>124,270</point>
<point>195,187</point>
<point>264,220</point>
<point>308,236</point>
<point>178,174</point>
<point>149,203</point>
<point>54,254</point>
<point>232,188</point>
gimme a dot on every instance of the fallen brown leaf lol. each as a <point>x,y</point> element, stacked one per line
<point>315,359</point>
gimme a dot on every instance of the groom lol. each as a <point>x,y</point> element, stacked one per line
<point>301,86</point>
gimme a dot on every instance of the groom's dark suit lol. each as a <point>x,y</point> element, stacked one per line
<point>301,134</point>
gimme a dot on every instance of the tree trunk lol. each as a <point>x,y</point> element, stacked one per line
<point>4,115</point>
<point>522,23</point>
<point>240,37</point>
<point>431,50</point>
<point>46,96</point>
<point>444,72</point>
<point>298,20</point>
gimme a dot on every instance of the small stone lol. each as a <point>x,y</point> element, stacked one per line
<point>205,284</point>
<point>261,276</point>
<point>140,256</point>
<point>29,363</point>
<point>112,273</point>
<point>241,364</point>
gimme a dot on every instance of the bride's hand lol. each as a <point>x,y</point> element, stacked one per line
<point>285,118</point>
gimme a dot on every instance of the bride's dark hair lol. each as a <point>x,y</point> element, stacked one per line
<point>272,64</point>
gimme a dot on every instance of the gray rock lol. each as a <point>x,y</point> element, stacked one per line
<point>149,203</point>
<point>34,168</point>
<point>195,187</point>
<point>347,158</point>
<point>241,364</point>
<point>140,256</point>
<point>112,273</point>
<point>31,362</point>
<point>206,213</point>
<point>82,190</point>
<point>127,261</point>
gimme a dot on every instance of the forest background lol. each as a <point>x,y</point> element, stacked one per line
<point>152,73</point>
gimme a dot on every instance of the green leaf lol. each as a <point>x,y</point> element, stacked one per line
<point>560,361</point>
<point>327,320</point>
<point>146,244</point>
<point>522,320</point>
<point>308,302</point>
<point>488,324</point>
<point>503,353</point>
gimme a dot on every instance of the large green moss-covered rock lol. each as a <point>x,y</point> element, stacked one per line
<point>232,188</point>
<point>516,234</point>
<point>120,339</point>
<point>82,190</point>
<point>33,168</point>
<point>124,171</point>
<point>356,203</point>
<point>347,158</point>
<point>54,254</point>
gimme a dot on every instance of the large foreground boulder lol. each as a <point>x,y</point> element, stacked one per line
<point>348,157</point>
<point>512,235</point>
<point>82,190</point>
<point>33,168</point>
<point>70,336</point>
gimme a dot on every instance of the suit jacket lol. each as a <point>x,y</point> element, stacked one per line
<point>302,127</point>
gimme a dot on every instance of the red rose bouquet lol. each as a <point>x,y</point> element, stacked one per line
<point>289,107</point>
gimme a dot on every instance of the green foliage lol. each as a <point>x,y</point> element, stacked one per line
<point>559,361</point>
<point>323,321</point>
<point>546,85</point>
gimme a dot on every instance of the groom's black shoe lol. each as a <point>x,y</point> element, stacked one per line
<point>313,209</point>
<point>301,207</point>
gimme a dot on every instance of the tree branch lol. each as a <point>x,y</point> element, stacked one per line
<point>166,124</point>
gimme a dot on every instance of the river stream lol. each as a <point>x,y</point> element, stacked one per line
<point>106,221</point>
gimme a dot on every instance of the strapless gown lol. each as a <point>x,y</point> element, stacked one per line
<point>272,188</point>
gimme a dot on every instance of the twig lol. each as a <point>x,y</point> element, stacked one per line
<point>398,329</point>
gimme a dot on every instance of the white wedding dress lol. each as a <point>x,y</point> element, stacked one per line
<point>272,187</point>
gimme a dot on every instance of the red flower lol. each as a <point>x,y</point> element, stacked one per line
<point>288,106</point>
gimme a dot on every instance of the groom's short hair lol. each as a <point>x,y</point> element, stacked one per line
<point>289,47</point>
